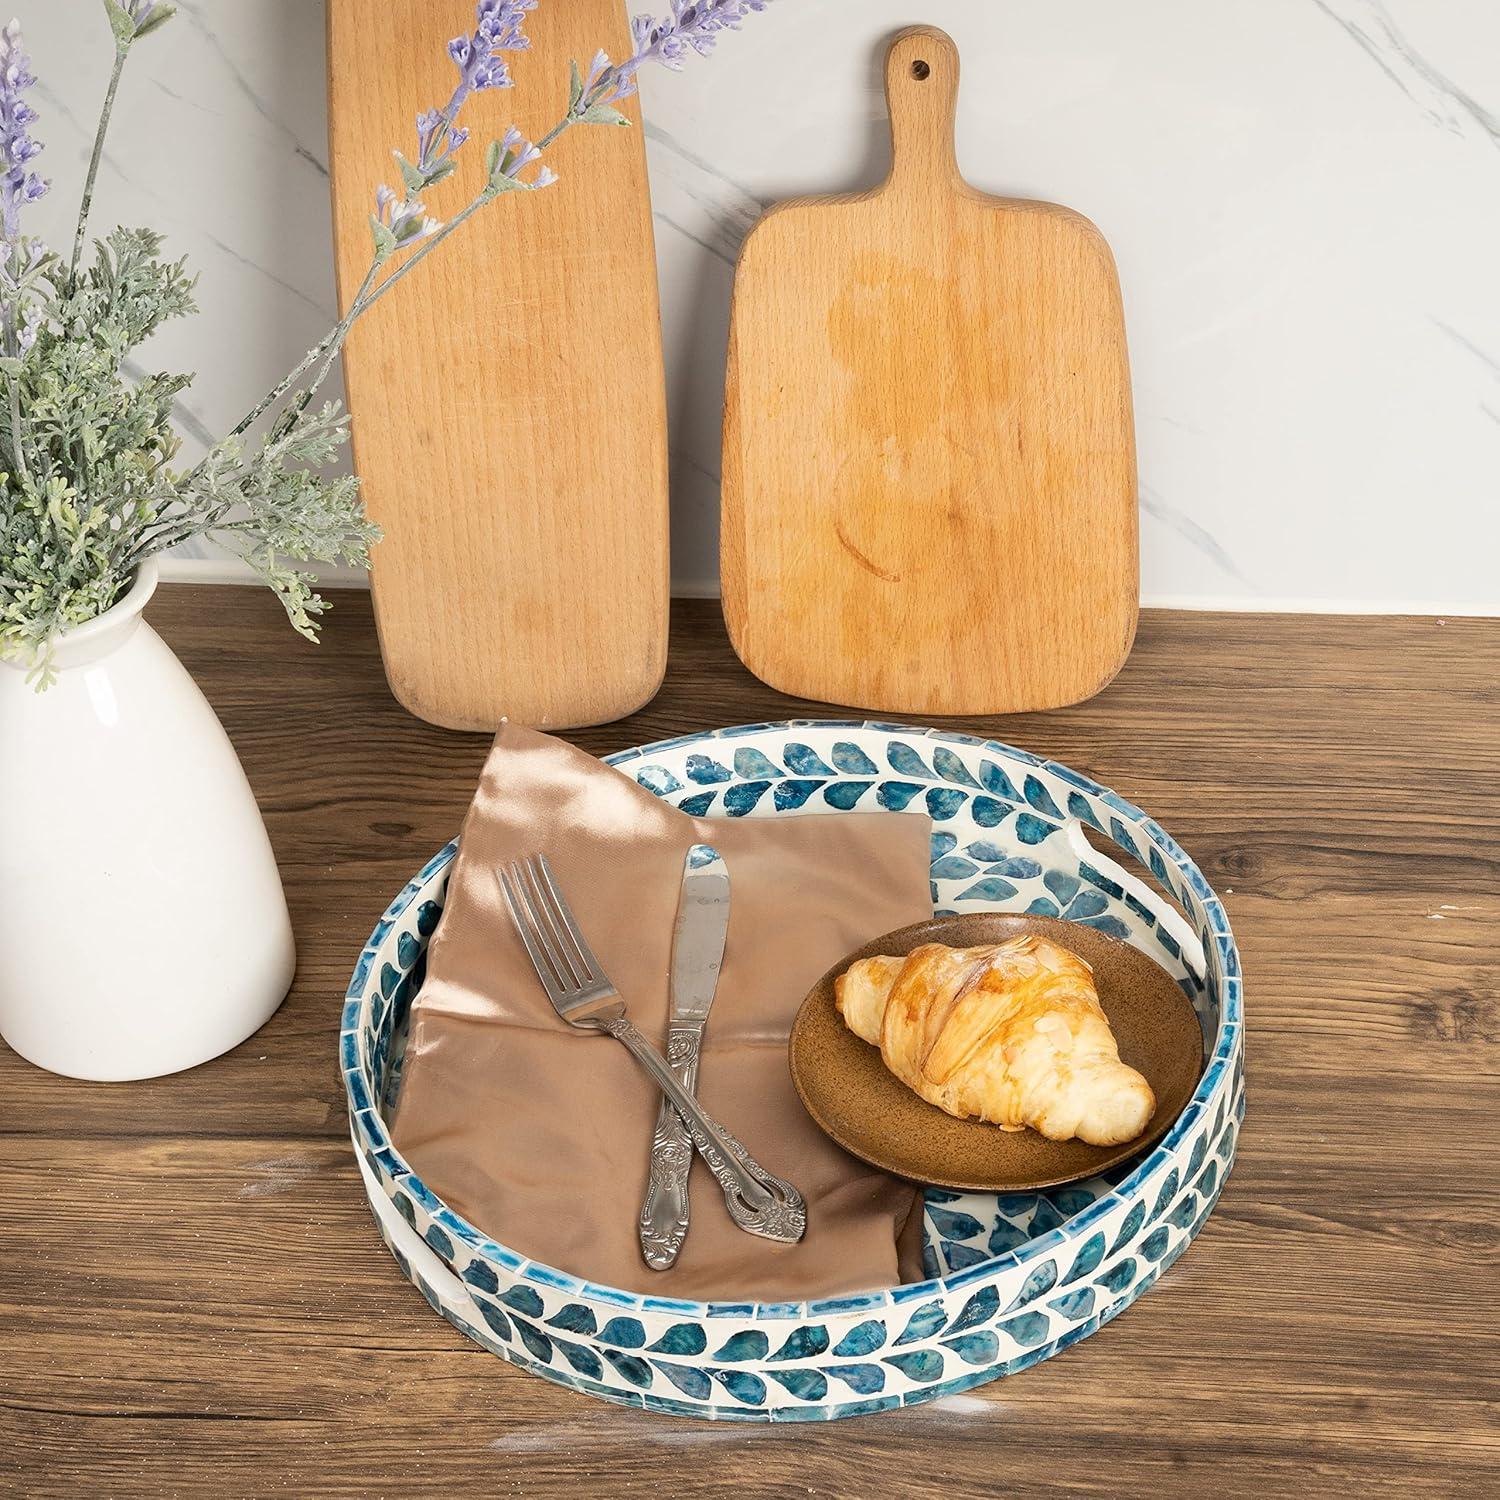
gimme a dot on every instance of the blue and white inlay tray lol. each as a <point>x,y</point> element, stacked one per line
<point>1013,1278</point>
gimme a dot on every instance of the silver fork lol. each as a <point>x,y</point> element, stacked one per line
<point>583,996</point>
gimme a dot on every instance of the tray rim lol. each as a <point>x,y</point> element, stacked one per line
<point>1215,1069</point>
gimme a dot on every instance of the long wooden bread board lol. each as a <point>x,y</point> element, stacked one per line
<point>507,397</point>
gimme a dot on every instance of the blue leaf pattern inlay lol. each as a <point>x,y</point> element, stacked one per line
<point>688,1379</point>
<point>625,1333</point>
<point>583,1360</point>
<point>742,1385</point>
<point>804,1343</point>
<point>1130,1228</point>
<point>751,1344</point>
<point>1039,797</point>
<point>845,795</point>
<point>861,1339</point>
<point>681,1338</point>
<point>905,761</point>
<point>1119,1276</point>
<point>522,1299</point>
<point>954,1225</point>
<point>1029,1329</point>
<point>494,1317</point>
<point>991,888</point>
<point>1075,1305</point>
<point>944,802</point>
<point>636,1371</point>
<point>792,794</point>
<point>477,1273</point>
<point>995,780</point>
<point>1041,1280</point>
<point>866,1379</point>
<point>982,1306</point>
<point>1032,830</point>
<point>894,795</point>
<point>853,761</point>
<point>741,798</point>
<point>751,765</point>
<point>1154,1245</point>
<point>535,1340</point>
<point>659,780</point>
<point>803,760</point>
<point>975,1348</point>
<point>923,1365</point>
<point>574,1317</point>
<point>1165,1196</point>
<point>987,812</point>
<point>928,1319</point>
<point>1088,1258</point>
<point>951,768</point>
<point>705,770</point>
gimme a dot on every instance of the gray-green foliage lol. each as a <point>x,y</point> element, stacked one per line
<point>90,490</point>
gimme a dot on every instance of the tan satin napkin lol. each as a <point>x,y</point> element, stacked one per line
<point>540,1135</point>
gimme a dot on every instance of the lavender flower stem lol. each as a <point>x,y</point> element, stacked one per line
<point>15,430</point>
<point>88,183</point>
<point>433,241</point>
<point>328,346</point>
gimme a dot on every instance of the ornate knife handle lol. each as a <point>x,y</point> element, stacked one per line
<point>664,1211</point>
<point>758,1202</point>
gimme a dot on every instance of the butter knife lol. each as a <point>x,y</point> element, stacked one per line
<point>697,953</point>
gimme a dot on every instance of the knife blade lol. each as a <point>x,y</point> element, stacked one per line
<point>697,955</point>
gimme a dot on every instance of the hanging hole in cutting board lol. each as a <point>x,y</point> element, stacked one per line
<point>921,70</point>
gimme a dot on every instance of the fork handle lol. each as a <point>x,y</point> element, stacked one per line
<point>758,1202</point>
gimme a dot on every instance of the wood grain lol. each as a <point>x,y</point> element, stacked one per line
<point>508,398</point>
<point>929,454</point>
<point>194,1302</point>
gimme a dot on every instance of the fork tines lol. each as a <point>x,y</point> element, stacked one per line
<point>561,956</point>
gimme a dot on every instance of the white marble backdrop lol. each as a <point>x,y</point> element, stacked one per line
<point>1303,197</point>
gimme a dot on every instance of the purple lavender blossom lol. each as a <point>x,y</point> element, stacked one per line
<point>406,219</point>
<point>18,185</point>
<point>517,153</point>
<point>437,140</point>
<point>693,25</point>
<point>497,28</point>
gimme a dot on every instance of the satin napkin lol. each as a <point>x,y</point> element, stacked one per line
<point>540,1135</point>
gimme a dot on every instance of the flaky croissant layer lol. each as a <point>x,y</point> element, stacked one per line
<point>1011,1033</point>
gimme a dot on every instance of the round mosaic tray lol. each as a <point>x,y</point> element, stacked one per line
<point>1013,1278</point>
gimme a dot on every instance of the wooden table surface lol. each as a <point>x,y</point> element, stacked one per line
<point>193,1300</point>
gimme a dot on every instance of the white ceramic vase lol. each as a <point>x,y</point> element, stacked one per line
<point>143,928</point>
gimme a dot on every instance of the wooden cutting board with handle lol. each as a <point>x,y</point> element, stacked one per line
<point>929,455</point>
<point>507,397</point>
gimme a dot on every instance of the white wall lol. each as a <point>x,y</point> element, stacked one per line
<point>1303,197</point>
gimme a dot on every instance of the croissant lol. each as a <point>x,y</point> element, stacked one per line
<point>1011,1033</point>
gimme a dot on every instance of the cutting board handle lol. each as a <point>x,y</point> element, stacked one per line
<point>921,85</point>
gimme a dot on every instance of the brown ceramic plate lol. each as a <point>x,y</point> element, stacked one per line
<point>858,1101</point>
